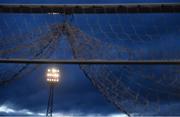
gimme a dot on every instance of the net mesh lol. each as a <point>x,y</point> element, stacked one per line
<point>133,89</point>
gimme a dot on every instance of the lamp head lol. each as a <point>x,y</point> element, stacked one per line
<point>52,75</point>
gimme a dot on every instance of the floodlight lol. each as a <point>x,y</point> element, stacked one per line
<point>52,75</point>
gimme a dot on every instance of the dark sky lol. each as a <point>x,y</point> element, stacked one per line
<point>75,94</point>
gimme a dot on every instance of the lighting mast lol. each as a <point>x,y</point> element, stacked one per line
<point>52,77</point>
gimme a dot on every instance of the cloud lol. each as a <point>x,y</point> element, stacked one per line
<point>9,110</point>
<point>5,110</point>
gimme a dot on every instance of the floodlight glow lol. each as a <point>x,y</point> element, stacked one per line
<point>52,75</point>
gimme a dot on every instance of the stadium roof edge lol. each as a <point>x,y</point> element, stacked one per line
<point>91,8</point>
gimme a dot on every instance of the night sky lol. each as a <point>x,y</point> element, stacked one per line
<point>76,95</point>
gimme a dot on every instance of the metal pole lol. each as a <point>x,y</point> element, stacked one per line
<point>91,61</point>
<point>50,101</point>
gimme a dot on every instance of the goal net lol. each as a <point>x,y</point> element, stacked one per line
<point>133,89</point>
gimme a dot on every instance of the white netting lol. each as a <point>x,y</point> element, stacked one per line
<point>133,89</point>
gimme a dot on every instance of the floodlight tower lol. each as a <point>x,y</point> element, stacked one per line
<point>52,77</point>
